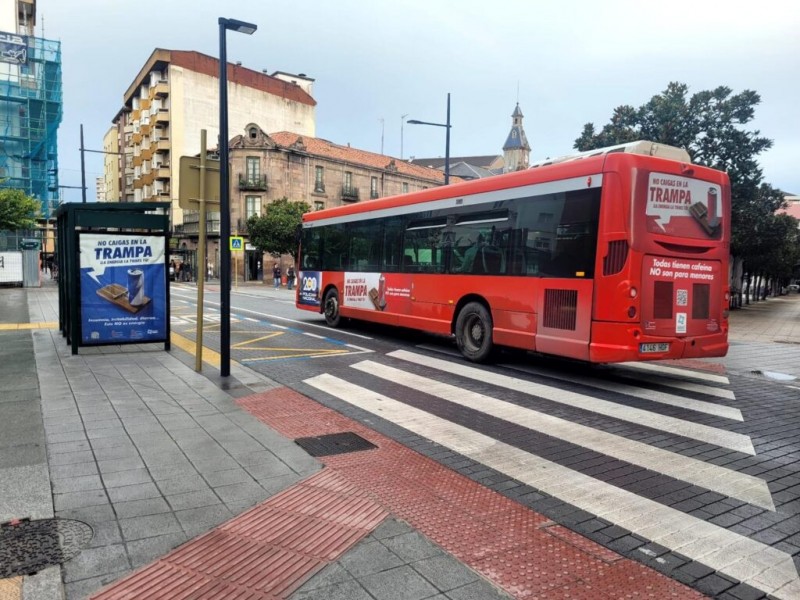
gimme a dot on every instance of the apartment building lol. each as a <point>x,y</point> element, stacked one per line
<point>174,96</point>
<point>112,165</point>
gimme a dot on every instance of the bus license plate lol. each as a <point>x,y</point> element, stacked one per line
<point>651,348</point>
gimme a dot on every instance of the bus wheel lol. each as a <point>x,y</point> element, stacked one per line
<point>474,332</point>
<point>332,316</point>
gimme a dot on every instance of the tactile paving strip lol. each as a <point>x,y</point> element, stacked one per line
<point>516,548</point>
<point>264,553</point>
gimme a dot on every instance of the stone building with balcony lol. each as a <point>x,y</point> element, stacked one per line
<point>173,97</point>
<point>266,167</point>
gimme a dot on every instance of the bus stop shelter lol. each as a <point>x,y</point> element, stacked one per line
<point>113,285</point>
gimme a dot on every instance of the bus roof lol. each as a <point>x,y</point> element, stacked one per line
<point>640,147</point>
<point>559,168</point>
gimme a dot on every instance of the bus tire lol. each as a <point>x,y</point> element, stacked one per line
<point>474,332</point>
<point>331,308</point>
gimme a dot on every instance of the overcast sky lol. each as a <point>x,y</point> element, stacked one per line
<point>567,62</point>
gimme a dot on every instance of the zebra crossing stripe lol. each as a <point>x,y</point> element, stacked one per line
<point>665,370</point>
<point>712,477</point>
<point>747,560</point>
<point>709,408</point>
<point>695,431</point>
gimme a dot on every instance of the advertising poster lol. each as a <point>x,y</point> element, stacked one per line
<point>123,288</point>
<point>390,292</point>
<point>684,207</point>
<point>310,288</point>
<point>13,48</point>
<point>684,274</point>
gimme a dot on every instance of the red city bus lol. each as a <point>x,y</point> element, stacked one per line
<point>618,254</point>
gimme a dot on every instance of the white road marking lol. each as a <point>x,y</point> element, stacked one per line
<point>695,431</point>
<point>744,559</point>
<point>664,370</point>
<point>277,318</point>
<point>710,408</point>
<point>725,481</point>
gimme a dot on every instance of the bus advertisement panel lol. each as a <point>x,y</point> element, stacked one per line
<point>617,255</point>
<point>123,288</point>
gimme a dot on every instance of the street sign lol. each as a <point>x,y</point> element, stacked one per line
<point>189,188</point>
<point>237,243</point>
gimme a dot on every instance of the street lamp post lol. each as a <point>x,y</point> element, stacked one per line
<point>447,139</point>
<point>83,166</point>
<point>224,194</point>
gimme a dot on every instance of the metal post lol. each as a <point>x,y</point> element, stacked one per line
<point>83,168</point>
<point>447,145</point>
<point>201,252</point>
<point>402,118</point>
<point>224,211</point>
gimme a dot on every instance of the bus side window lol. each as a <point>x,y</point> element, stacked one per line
<point>409,263</point>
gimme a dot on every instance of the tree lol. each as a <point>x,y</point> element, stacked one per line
<point>17,210</point>
<point>709,125</point>
<point>276,230</point>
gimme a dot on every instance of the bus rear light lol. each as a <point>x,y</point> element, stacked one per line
<point>631,311</point>
<point>727,296</point>
<point>725,313</point>
<point>634,292</point>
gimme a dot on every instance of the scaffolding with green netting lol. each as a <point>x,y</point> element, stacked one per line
<point>30,113</point>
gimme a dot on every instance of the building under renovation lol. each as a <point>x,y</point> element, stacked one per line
<point>30,105</point>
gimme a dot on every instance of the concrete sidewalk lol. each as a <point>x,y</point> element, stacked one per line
<point>152,455</point>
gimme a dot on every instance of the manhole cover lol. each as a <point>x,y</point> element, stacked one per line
<point>334,443</point>
<point>29,546</point>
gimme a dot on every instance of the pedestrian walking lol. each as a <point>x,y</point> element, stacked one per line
<point>290,277</point>
<point>276,276</point>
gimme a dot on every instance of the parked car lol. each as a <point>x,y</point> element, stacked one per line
<point>794,287</point>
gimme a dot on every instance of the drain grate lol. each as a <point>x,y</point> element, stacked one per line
<point>334,443</point>
<point>27,547</point>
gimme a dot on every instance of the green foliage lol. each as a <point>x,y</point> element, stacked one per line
<point>276,230</point>
<point>709,125</point>
<point>17,210</point>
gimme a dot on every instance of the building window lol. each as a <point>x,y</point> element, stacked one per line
<point>373,187</point>
<point>253,133</point>
<point>319,205</point>
<point>253,169</point>
<point>348,179</point>
<point>319,180</point>
<point>405,187</point>
<point>252,206</point>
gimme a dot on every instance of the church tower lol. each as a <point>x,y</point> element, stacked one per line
<point>516,151</point>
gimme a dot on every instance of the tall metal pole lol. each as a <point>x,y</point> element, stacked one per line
<point>402,118</point>
<point>200,268</point>
<point>224,211</point>
<point>83,168</point>
<point>447,145</point>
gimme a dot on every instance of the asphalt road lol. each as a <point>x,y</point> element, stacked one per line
<point>690,471</point>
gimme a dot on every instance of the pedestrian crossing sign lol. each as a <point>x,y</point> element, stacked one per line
<point>237,243</point>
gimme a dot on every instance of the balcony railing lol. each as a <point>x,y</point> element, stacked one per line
<point>349,193</point>
<point>257,183</point>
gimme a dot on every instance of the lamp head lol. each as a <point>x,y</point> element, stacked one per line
<point>240,26</point>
